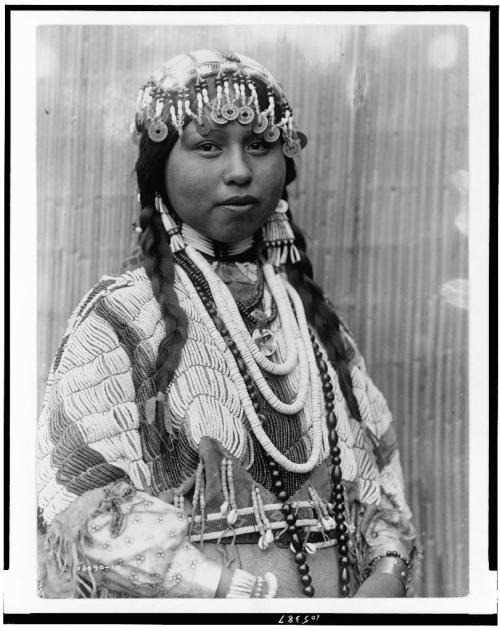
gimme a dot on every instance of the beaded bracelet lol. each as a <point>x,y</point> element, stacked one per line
<point>395,566</point>
<point>245,585</point>
<point>388,553</point>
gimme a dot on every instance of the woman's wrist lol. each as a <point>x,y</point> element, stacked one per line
<point>396,567</point>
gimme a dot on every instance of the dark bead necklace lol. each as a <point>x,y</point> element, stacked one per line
<point>336,508</point>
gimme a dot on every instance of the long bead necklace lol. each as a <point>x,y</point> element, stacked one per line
<point>336,508</point>
<point>198,289</point>
<point>239,333</point>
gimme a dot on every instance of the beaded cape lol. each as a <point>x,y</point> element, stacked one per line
<point>99,421</point>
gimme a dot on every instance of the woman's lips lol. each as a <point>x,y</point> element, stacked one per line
<point>237,208</point>
<point>239,204</point>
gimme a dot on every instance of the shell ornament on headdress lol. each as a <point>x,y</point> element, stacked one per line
<point>178,93</point>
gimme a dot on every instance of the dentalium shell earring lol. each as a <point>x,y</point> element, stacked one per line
<point>278,237</point>
<point>172,229</point>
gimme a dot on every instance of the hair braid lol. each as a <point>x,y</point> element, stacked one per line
<point>322,317</point>
<point>159,266</point>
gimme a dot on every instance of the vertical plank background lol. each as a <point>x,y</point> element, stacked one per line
<point>381,193</point>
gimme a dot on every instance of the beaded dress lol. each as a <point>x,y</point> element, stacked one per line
<point>147,494</point>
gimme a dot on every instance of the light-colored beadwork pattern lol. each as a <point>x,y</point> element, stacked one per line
<point>91,400</point>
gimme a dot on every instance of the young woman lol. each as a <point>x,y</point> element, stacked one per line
<point>209,428</point>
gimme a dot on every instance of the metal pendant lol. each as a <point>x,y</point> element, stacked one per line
<point>203,125</point>
<point>218,119</point>
<point>302,139</point>
<point>266,343</point>
<point>229,111</point>
<point>246,115</point>
<point>158,131</point>
<point>291,149</point>
<point>260,124</point>
<point>272,134</point>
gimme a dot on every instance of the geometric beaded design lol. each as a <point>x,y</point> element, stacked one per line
<point>95,411</point>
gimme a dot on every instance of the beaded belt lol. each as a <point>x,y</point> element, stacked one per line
<point>215,526</point>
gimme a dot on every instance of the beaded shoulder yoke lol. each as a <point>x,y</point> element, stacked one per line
<point>102,421</point>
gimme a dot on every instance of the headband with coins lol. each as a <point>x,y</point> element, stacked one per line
<point>166,99</point>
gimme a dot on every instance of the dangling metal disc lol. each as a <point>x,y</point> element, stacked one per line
<point>219,120</point>
<point>302,138</point>
<point>229,111</point>
<point>292,149</point>
<point>203,125</point>
<point>158,131</point>
<point>272,134</point>
<point>246,115</point>
<point>260,124</point>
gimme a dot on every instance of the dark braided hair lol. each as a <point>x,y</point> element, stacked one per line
<point>320,314</point>
<point>157,256</point>
<point>159,265</point>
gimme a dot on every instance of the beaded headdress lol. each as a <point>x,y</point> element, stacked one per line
<point>178,92</point>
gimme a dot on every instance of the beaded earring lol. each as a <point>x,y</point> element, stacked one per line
<point>278,237</point>
<point>172,229</point>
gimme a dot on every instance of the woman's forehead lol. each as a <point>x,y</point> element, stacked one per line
<point>232,129</point>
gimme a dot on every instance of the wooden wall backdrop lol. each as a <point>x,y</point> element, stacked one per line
<point>381,193</point>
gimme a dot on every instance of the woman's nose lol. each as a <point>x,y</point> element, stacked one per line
<point>237,169</point>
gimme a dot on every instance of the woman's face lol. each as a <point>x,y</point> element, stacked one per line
<point>225,184</point>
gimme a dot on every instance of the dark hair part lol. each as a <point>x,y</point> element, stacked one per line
<point>159,265</point>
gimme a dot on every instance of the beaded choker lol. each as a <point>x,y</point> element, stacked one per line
<point>215,249</point>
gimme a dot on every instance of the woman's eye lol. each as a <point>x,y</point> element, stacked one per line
<point>208,147</point>
<point>258,145</point>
